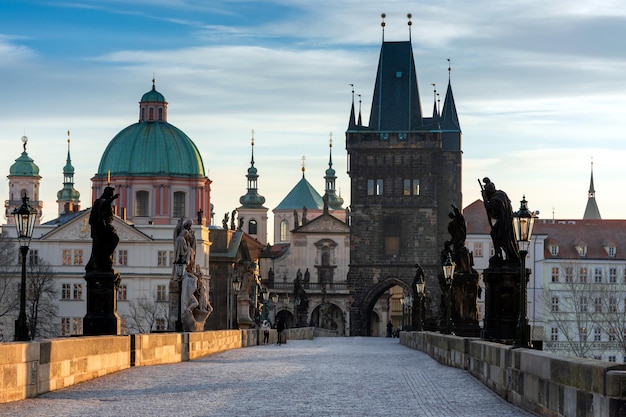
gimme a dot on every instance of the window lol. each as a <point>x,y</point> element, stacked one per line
<point>583,334</point>
<point>555,274</point>
<point>161,293</point>
<point>492,250</point>
<point>554,250</point>
<point>77,293</point>
<point>162,258</point>
<point>379,187</point>
<point>122,292</point>
<point>597,334</point>
<point>613,275</point>
<point>582,274</point>
<point>78,256</point>
<point>160,113</point>
<point>65,326</point>
<point>160,325</point>
<point>411,187</point>
<point>612,305</point>
<point>33,257</point>
<point>582,304</point>
<point>392,245</point>
<point>612,336</point>
<point>284,231</point>
<point>151,113</point>
<point>123,326</point>
<point>252,227</point>
<point>554,334</point>
<point>610,250</point>
<point>66,293</point>
<point>370,187</point>
<point>478,249</point>
<point>569,274</point>
<point>67,257</point>
<point>179,204</point>
<point>581,249</point>
<point>597,275</point>
<point>611,358</point>
<point>554,304</point>
<point>142,203</point>
<point>122,257</point>
<point>597,305</point>
<point>77,325</point>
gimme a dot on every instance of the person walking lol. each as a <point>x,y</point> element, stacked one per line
<point>280,326</point>
<point>266,331</point>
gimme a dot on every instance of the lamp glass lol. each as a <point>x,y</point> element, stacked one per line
<point>25,217</point>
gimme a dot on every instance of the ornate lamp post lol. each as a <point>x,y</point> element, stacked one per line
<point>25,217</point>
<point>265,293</point>
<point>274,303</point>
<point>448,275</point>
<point>179,267</point>
<point>236,288</point>
<point>420,287</point>
<point>523,222</point>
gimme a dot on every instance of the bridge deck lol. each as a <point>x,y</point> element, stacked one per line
<point>356,376</point>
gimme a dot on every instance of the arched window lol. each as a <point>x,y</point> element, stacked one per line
<point>252,227</point>
<point>142,204</point>
<point>143,114</point>
<point>160,113</point>
<point>284,231</point>
<point>151,113</point>
<point>179,204</point>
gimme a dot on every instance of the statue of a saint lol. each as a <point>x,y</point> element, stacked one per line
<point>103,233</point>
<point>500,214</point>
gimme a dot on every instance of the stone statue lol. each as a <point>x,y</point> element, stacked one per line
<point>232,219</point>
<point>307,278</point>
<point>456,245</point>
<point>103,233</point>
<point>500,215</point>
<point>225,222</point>
<point>304,220</point>
<point>296,222</point>
<point>195,307</point>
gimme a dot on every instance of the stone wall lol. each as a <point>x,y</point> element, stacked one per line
<point>541,382</point>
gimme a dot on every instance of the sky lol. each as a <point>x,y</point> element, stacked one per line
<point>540,88</point>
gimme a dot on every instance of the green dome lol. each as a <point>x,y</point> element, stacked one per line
<point>153,96</point>
<point>151,148</point>
<point>68,194</point>
<point>24,166</point>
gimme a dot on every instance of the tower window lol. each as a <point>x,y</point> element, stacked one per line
<point>160,113</point>
<point>398,74</point>
<point>252,227</point>
<point>151,113</point>
<point>179,204</point>
<point>411,187</point>
<point>142,199</point>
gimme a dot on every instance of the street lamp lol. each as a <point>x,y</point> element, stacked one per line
<point>179,267</point>
<point>236,288</point>
<point>420,287</point>
<point>523,222</point>
<point>448,275</point>
<point>25,217</point>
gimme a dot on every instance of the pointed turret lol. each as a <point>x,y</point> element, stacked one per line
<point>436,121</point>
<point>252,212</point>
<point>334,202</point>
<point>351,122</point>
<point>449,116</point>
<point>591,211</point>
<point>68,198</point>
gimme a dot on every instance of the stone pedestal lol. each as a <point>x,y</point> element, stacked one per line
<point>502,299</point>
<point>464,304</point>
<point>102,317</point>
<point>244,321</point>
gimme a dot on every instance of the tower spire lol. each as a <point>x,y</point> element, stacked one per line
<point>359,121</point>
<point>351,122</point>
<point>331,198</point>
<point>68,198</point>
<point>410,24</point>
<point>591,211</point>
<point>382,24</point>
<point>303,168</point>
<point>252,199</point>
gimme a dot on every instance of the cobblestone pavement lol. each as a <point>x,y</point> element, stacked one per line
<point>355,376</point>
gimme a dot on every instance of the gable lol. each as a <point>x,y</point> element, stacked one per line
<point>79,229</point>
<point>324,224</point>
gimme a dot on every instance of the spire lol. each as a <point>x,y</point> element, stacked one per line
<point>450,119</point>
<point>68,198</point>
<point>435,108</point>
<point>351,122</point>
<point>252,199</point>
<point>382,24</point>
<point>410,24</point>
<point>303,168</point>
<point>359,121</point>
<point>334,202</point>
<point>592,211</point>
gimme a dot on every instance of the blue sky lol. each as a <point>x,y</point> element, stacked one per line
<point>540,88</point>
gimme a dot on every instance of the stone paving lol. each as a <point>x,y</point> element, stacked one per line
<point>356,376</point>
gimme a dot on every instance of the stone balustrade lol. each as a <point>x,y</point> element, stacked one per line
<point>544,383</point>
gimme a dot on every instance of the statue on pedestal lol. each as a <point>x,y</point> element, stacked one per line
<point>500,215</point>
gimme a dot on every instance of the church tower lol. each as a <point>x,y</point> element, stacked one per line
<point>68,198</point>
<point>24,179</point>
<point>591,211</point>
<point>252,212</point>
<point>334,202</point>
<point>405,174</point>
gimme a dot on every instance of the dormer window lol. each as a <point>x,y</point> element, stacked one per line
<point>582,250</point>
<point>610,250</point>
<point>554,250</point>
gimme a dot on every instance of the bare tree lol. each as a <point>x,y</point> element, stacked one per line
<point>570,300</point>
<point>41,309</point>
<point>9,266</point>
<point>611,308</point>
<point>144,315</point>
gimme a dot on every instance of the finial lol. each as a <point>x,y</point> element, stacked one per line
<point>252,140</point>
<point>68,141</point>
<point>330,134</point>
<point>303,169</point>
<point>252,144</point>
<point>24,141</point>
<point>409,15</point>
<point>352,85</point>
<point>153,82</point>
<point>382,24</point>
<point>449,69</point>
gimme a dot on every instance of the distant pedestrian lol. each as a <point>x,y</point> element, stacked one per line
<point>280,326</point>
<point>389,329</point>
<point>266,331</point>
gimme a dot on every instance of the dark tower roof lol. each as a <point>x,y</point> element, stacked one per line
<point>396,103</point>
<point>450,119</point>
<point>252,199</point>
<point>591,211</point>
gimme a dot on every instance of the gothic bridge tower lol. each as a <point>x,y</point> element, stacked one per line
<point>405,173</point>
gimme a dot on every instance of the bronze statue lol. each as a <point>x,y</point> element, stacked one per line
<point>500,215</point>
<point>103,233</point>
